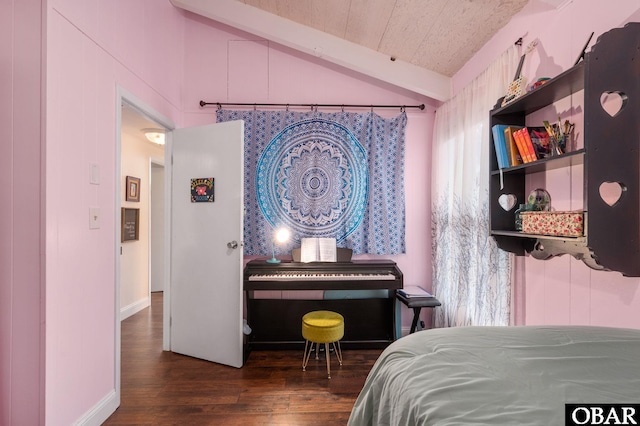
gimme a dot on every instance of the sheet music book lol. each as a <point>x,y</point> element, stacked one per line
<point>318,250</point>
<point>410,291</point>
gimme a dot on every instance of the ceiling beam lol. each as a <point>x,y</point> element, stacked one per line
<point>325,46</point>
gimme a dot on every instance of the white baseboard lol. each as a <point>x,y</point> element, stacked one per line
<point>134,308</point>
<point>100,412</point>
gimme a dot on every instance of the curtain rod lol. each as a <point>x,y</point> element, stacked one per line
<point>312,106</point>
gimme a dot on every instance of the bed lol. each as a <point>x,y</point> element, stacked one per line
<point>499,375</point>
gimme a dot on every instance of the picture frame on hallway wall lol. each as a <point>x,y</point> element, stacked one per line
<point>133,189</point>
<point>130,225</point>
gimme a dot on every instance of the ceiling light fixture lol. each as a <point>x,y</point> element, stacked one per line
<point>154,135</point>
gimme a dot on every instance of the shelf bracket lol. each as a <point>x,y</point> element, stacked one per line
<point>545,249</point>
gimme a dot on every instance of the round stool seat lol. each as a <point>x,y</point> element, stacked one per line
<point>323,326</point>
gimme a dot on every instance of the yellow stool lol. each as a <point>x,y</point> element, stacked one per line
<point>322,327</point>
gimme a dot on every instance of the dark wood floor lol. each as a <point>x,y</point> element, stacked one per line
<point>164,388</point>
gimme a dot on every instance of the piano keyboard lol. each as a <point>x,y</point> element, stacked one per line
<point>322,277</point>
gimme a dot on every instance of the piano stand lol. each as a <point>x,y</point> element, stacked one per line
<point>363,292</point>
<point>417,303</point>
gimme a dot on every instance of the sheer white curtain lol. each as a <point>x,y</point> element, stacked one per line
<point>471,275</point>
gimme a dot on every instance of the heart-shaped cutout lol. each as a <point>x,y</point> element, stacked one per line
<point>613,102</point>
<point>507,201</point>
<point>611,192</point>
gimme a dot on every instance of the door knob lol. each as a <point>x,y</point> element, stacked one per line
<point>232,244</point>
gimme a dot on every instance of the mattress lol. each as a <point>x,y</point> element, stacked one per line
<point>499,375</point>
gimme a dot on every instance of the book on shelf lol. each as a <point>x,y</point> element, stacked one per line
<point>507,148</point>
<point>318,250</point>
<point>414,291</point>
<point>522,148</point>
<point>500,146</point>
<point>524,142</point>
<point>540,139</point>
<point>515,158</point>
<point>532,150</point>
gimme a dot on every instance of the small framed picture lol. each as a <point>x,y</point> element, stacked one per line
<point>133,189</point>
<point>202,190</point>
<point>130,225</point>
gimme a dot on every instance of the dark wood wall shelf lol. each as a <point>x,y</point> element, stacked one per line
<point>610,155</point>
<point>520,234</point>
<point>558,162</point>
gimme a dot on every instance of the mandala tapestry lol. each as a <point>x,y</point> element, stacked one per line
<point>338,175</point>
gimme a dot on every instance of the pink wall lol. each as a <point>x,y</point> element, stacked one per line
<point>21,214</point>
<point>226,65</point>
<point>563,290</point>
<point>92,49</point>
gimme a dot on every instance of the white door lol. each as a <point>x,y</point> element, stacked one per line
<point>206,244</point>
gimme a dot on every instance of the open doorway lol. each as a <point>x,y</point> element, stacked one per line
<point>142,171</point>
<point>132,116</point>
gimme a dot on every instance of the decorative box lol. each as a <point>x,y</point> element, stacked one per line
<point>561,224</point>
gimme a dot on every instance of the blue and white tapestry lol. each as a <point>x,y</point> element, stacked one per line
<point>338,175</point>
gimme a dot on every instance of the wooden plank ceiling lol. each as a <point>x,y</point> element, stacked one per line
<point>439,35</point>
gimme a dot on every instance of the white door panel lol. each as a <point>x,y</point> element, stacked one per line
<point>206,274</point>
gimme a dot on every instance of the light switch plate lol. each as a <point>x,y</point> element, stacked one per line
<point>94,174</point>
<point>94,218</point>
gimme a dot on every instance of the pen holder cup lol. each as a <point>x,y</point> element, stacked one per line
<point>559,145</point>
